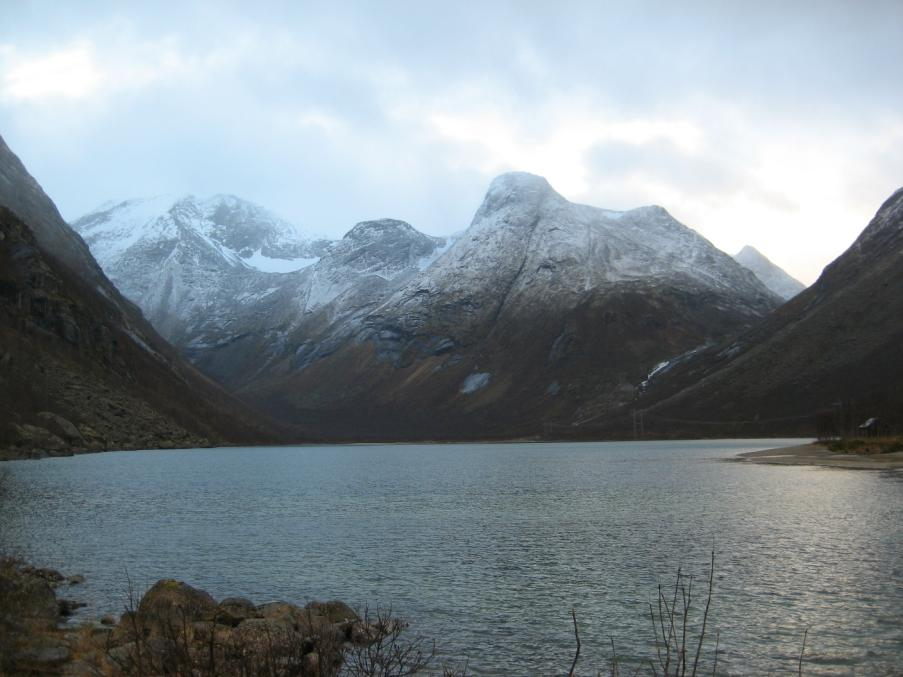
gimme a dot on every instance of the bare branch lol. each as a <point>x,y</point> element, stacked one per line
<point>577,636</point>
<point>802,651</point>
<point>705,616</point>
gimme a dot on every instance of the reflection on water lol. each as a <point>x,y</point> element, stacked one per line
<point>487,547</point>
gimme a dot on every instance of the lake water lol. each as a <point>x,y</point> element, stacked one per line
<point>486,548</point>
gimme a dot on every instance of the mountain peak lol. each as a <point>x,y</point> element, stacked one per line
<point>748,251</point>
<point>367,231</point>
<point>771,275</point>
<point>519,181</point>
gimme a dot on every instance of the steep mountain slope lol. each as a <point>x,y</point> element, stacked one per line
<point>80,368</point>
<point>543,311</point>
<point>772,276</point>
<point>829,358</point>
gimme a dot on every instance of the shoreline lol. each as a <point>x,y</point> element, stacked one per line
<point>817,455</point>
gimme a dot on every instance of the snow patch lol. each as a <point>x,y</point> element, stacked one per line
<point>426,261</point>
<point>658,368</point>
<point>265,264</point>
<point>474,382</point>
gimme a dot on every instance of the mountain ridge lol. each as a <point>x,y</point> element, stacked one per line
<point>821,364</point>
<point>572,277</point>
<point>81,368</point>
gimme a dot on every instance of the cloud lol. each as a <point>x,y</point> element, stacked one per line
<point>769,124</point>
<point>71,72</point>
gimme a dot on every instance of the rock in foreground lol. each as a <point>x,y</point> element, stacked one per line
<point>173,629</point>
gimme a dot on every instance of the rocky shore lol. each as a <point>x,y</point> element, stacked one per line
<point>174,628</point>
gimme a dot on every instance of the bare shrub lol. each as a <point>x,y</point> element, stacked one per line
<point>384,652</point>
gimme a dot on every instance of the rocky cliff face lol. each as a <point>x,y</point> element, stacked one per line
<point>772,276</point>
<point>829,358</point>
<point>542,312</point>
<point>80,368</point>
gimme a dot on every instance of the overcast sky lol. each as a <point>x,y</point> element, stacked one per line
<point>773,124</point>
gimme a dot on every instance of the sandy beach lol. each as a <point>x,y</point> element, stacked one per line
<point>818,455</point>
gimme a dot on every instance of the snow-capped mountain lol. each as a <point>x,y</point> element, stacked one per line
<point>314,308</point>
<point>771,275</point>
<point>240,232</point>
<point>187,262</point>
<point>386,248</point>
<point>225,280</point>
<point>542,311</point>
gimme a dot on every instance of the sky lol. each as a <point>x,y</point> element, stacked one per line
<point>775,124</point>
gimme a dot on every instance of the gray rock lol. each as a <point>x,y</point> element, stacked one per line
<point>333,611</point>
<point>79,668</point>
<point>170,604</point>
<point>43,652</point>
<point>39,439</point>
<point>61,427</point>
<point>234,610</point>
<point>27,603</point>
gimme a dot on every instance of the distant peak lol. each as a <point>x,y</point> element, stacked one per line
<point>519,181</point>
<point>770,274</point>
<point>520,188</point>
<point>652,211</point>
<point>749,250</point>
<point>371,230</point>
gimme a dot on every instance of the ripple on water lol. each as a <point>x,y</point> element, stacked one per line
<point>486,548</point>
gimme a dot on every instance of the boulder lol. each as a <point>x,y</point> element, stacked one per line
<point>61,427</point>
<point>233,610</point>
<point>26,602</point>
<point>52,576</point>
<point>170,605</point>
<point>334,611</point>
<point>39,439</point>
<point>40,653</point>
<point>278,610</point>
<point>258,632</point>
<point>156,656</point>
<point>313,619</point>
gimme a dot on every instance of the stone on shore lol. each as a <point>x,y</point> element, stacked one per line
<point>170,605</point>
<point>234,610</point>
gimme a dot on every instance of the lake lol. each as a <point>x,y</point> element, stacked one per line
<point>486,547</point>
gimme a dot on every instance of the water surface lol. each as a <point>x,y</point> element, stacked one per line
<point>486,548</point>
